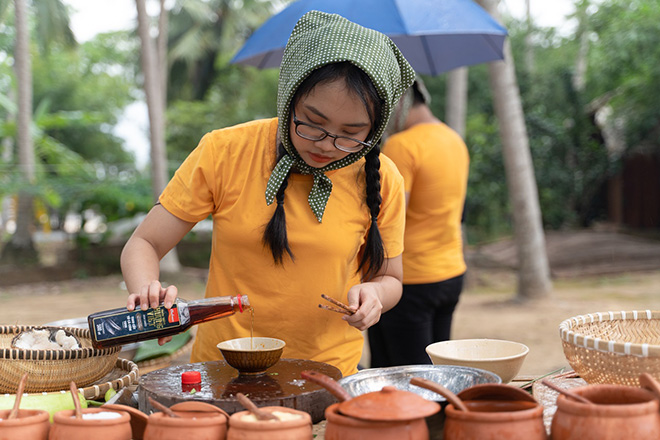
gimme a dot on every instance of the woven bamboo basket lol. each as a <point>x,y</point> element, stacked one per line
<point>613,347</point>
<point>52,370</point>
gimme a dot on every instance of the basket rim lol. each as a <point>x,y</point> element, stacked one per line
<point>55,354</point>
<point>129,369</point>
<point>574,338</point>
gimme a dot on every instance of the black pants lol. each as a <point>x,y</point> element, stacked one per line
<point>423,316</point>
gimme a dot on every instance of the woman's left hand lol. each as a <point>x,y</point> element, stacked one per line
<point>365,300</point>
<point>376,296</point>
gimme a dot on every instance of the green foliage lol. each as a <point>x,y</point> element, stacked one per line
<point>80,93</point>
<point>486,207</point>
<point>624,64</point>
<point>77,98</point>
<point>240,94</point>
<point>83,93</point>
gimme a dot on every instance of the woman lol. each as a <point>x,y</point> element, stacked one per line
<point>278,234</point>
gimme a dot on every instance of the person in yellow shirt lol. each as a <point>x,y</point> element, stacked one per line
<point>434,162</point>
<point>302,204</point>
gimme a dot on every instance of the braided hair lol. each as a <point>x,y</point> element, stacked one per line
<point>275,234</point>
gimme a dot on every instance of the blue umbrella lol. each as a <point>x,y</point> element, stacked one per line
<point>434,35</point>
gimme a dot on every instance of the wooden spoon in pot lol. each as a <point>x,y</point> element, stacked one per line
<point>21,386</point>
<point>76,399</point>
<point>566,393</point>
<point>648,382</point>
<point>444,392</point>
<point>328,383</point>
<point>259,413</point>
<point>159,406</point>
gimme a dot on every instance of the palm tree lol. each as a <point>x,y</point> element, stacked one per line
<point>533,267</point>
<point>154,71</point>
<point>456,101</point>
<point>52,24</point>
<point>201,32</point>
<point>20,248</point>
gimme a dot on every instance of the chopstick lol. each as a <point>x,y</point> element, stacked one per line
<point>334,309</point>
<point>341,307</point>
<point>556,374</point>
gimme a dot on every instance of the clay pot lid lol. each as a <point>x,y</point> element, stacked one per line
<point>388,404</point>
<point>197,406</point>
<point>494,391</point>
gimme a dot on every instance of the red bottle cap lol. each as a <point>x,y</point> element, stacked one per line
<point>190,377</point>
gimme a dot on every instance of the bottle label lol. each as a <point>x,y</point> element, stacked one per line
<point>124,323</point>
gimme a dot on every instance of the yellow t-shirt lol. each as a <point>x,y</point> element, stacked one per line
<point>434,162</point>
<point>225,176</point>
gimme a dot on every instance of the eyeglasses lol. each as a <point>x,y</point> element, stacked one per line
<point>315,133</point>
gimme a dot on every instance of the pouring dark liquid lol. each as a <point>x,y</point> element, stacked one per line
<point>121,326</point>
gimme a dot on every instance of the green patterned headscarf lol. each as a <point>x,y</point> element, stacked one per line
<point>319,39</point>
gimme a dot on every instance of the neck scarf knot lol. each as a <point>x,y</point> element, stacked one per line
<point>321,188</point>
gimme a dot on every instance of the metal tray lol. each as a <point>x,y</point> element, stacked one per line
<point>455,378</point>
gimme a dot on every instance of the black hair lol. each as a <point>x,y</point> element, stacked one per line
<point>418,98</point>
<point>275,235</point>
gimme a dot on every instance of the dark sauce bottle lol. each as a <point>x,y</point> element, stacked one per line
<point>121,326</point>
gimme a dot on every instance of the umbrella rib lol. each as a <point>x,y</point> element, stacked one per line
<point>429,55</point>
<point>494,46</point>
<point>264,60</point>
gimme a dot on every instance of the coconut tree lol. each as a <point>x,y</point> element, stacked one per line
<point>456,100</point>
<point>533,267</point>
<point>155,80</point>
<point>20,248</point>
<point>52,24</point>
<point>203,32</point>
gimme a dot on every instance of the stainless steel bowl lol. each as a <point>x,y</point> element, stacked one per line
<point>455,378</point>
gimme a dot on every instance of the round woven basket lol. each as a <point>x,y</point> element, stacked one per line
<point>613,347</point>
<point>52,370</point>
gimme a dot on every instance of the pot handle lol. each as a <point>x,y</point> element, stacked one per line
<point>444,392</point>
<point>650,383</point>
<point>328,383</point>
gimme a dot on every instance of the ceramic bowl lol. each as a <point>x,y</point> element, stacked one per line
<point>252,355</point>
<point>501,357</point>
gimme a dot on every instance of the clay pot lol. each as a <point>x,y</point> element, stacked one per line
<point>389,414</point>
<point>495,411</point>
<point>299,429</point>
<point>341,427</point>
<point>617,412</point>
<point>138,418</point>
<point>29,424</point>
<point>198,420</point>
<point>67,427</point>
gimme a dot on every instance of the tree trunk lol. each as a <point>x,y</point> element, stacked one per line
<point>154,88</point>
<point>153,93</point>
<point>579,77</point>
<point>456,111</point>
<point>533,267</point>
<point>20,249</point>
<point>456,104</point>
<point>163,25</point>
<point>529,38</point>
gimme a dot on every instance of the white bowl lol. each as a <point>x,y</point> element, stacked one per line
<point>501,357</point>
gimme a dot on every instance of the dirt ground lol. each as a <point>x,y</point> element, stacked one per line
<point>586,279</point>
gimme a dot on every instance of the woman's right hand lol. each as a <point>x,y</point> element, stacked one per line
<point>150,296</point>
